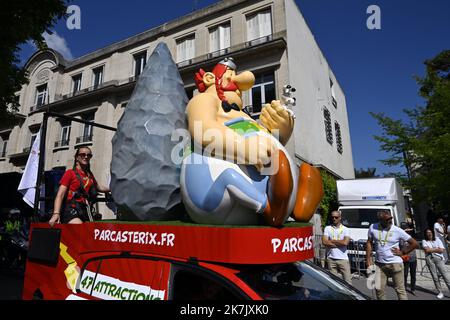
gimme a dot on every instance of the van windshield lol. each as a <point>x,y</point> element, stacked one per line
<point>359,218</point>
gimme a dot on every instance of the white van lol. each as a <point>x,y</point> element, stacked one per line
<point>361,199</point>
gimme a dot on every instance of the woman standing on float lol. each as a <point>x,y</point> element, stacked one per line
<point>76,187</point>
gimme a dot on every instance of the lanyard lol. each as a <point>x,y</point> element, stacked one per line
<point>85,177</point>
<point>341,229</point>
<point>380,236</point>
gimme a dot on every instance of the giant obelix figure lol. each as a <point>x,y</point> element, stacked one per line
<point>224,177</point>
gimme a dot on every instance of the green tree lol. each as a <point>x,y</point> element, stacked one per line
<point>21,21</point>
<point>365,173</point>
<point>329,201</point>
<point>422,144</point>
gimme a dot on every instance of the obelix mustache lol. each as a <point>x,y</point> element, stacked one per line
<point>231,86</point>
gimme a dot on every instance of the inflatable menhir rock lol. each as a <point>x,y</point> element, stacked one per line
<point>145,182</point>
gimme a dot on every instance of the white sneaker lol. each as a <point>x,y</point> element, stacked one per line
<point>440,295</point>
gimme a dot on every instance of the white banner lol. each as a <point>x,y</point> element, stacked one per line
<point>27,184</point>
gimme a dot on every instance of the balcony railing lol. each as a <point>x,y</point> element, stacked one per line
<point>59,97</point>
<point>62,143</point>
<point>76,93</point>
<point>238,49</point>
<point>254,42</point>
<point>84,139</point>
<point>184,63</point>
<point>38,106</point>
<point>218,53</point>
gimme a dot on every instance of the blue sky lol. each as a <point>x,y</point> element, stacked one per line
<point>374,67</point>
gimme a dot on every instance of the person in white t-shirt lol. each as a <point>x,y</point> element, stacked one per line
<point>336,238</point>
<point>448,237</point>
<point>439,231</point>
<point>434,254</point>
<point>385,238</point>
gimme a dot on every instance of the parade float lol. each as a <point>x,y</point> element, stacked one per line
<point>199,184</point>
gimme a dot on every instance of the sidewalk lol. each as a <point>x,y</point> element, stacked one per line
<point>425,289</point>
<point>423,276</point>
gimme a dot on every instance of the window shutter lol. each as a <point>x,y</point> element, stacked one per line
<point>214,40</point>
<point>181,49</point>
<point>224,36</point>
<point>265,24</point>
<point>252,28</point>
<point>190,51</point>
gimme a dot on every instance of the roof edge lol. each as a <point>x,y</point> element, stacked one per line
<point>59,59</point>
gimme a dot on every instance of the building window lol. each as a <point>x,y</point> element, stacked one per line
<point>333,94</point>
<point>76,80</point>
<point>219,37</point>
<point>328,126</point>
<point>33,138</point>
<point>97,78</point>
<point>259,25</point>
<point>65,134</point>
<point>3,146</point>
<point>140,60</point>
<point>88,129</point>
<point>41,95</point>
<point>28,148</point>
<point>186,48</point>
<point>337,132</point>
<point>262,92</point>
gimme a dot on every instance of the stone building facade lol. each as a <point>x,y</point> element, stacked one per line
<point>269,38</point>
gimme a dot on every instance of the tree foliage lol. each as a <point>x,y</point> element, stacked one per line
<point>21,21</point>
<point>365,173</point>
<point>422,144</point>
<point>329,201</point>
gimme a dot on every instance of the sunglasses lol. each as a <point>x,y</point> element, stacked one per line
<point>334,217</point>
<point>85,155</point>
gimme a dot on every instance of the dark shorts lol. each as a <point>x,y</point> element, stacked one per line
<point>71,213</point>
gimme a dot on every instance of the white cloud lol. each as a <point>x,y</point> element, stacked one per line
<point>58,43</point>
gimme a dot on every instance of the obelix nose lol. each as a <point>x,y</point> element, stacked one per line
<point>244,80</point>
